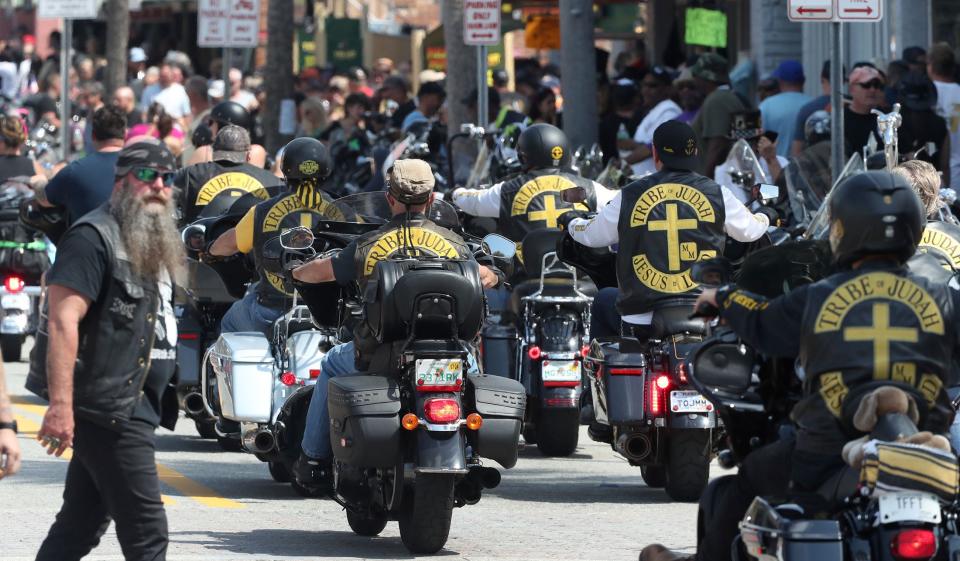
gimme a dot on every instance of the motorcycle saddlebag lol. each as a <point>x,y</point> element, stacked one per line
<point>501,402</point>
<point>766,529</point>
<point>365,420</point>
<point>623,368</point>
<point>243,364</point>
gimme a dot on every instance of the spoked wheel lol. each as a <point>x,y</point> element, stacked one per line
<point>279,472</point>
<point>425,513</point>
<point>370,525</point>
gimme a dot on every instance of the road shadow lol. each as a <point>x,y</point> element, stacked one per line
<point>303,543</point>
<point>577,490</point>
<point>530,451</point>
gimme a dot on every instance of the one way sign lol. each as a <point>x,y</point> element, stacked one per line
<point>810,10</point>
<point>835,10</point>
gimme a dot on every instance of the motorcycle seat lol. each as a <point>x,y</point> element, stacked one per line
<point>673,317</point>
<point>558,287</point>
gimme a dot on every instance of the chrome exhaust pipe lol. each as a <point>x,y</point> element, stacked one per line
<point>634,446</point>
<point>193,405</point>
<point>259,441</point>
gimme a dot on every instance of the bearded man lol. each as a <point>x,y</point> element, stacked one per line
<point>108,361</point>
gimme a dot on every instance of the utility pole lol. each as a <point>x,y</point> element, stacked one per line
<point>578,70</point>
<point>461,65</point>
<point>279,66</point>
<point>118,33</point>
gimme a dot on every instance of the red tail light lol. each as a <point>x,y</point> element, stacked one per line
<point>914,544</point>
<point>625,371</point>
<point>288,379</point>
<point>441,410</point>
<point>188,336</point>
<point>534,353</point>
<point>656,401</point>
<point>662,381</point>
<point>584,350</point>
<point>682,372</point>
<point>13,284</point>
<point>314,373</point>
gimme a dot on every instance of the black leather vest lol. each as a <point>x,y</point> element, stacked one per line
<point>867,328</point>
<point>304,207</point>
<point>942,241</point>
<point>217,185</point>
<point>116,338</point>
<point>531,201</point>
<point>668,221</point>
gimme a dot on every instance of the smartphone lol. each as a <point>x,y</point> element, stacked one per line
<point>771,135</point>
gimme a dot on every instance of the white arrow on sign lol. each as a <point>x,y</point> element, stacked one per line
<point>810,10</point>
<point>860,10</point>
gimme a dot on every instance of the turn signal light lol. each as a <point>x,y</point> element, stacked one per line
<point>441,410</point>
<point>534,353</point>
<point>288,379</point>
<point>584,350</point>
<point>410,421</point>
<point>474,421</point>
<point>914,544</point>
<point>13,284</point>
<point>663,381</point>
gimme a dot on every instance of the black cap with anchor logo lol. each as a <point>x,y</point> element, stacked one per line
<point>676,144</point>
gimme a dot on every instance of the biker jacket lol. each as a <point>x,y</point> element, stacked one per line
<point>853,332</point>
<point>531,201</point>
<point>116,339</point>
<point>201,183</point>
<point>667,222</point>
<point>942,241</point>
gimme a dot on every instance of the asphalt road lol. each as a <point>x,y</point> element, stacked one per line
<point>224,505</point>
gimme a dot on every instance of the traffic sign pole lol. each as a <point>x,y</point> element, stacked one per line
<point>836,99</point>
<point>482,101</point>
<point>66,40</point>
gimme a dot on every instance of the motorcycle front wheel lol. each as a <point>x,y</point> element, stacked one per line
<point>367,525</point>
<point>425,513</point>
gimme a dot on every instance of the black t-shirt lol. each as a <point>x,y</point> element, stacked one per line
<point>401,113</point>
<point>856,130</point>
<point>920,128</point>
<point>15,166</point>
<point>82,265</point>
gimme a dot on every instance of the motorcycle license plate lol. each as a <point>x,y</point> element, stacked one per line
<point>437,373</point>
<point>560,371</point>
<point>683,401</point>
<point>909,507</point>
<point>15,302</point>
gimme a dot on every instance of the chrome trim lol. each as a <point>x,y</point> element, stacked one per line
<point>448,471</point>
<point>452,427</point>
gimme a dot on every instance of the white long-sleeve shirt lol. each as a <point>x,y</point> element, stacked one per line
<point>486,202</point>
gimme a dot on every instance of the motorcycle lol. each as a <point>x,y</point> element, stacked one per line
<point>546,348</point>
<point>409,435</point>
<point>848,517</point>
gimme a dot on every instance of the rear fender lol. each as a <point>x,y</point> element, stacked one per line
<point>693,420</point>
<point>439,447</point>
<point>560,398</point>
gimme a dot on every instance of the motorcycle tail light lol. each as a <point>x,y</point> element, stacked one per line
<point>187,336</point>
<point>441,410</point>
<point>584,350</point>
<point>914,544</point>
<point>662,381</point>
<point>288,379</point>
<point>625,371</point>
<point>13,284</point>
<point>656,400</point>
<point>682,372</point>
<point>534,353</point>
<point>314,373</point>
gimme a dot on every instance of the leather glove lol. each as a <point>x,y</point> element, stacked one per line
<point>771,214</point>
<point>564,219</point>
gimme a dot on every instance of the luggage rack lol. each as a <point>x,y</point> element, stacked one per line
<point>552,264</point>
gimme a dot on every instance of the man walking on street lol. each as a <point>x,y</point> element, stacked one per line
<point>110,361</point>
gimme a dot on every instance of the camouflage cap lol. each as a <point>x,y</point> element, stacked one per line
<point>712,67</point>
<point>145,153</point>
<point>231,144</point>
<point>411,181</point>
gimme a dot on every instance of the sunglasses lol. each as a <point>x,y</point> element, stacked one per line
<point>872,84</point>
<point>149,175</point>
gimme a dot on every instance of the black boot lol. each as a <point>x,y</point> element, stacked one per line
<point>314,473</point>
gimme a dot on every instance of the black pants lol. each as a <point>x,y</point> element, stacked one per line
<point>113,475</point>
<point>604,319</point>
<point>772,471</point>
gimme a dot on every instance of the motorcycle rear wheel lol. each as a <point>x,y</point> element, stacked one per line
<point>654,476</point>
<point>425,513</point>
<point>558,431</point>
<point>10,347</point>
<point>367,525</point>
<point>688,464</point>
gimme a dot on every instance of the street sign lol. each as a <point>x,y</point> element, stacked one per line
<point>481,22</point>
<point>860,10</point>
<point>228,23</point>
<point>810,10</point>
<point>73,9</point>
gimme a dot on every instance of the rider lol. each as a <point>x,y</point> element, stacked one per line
<point>409,193</point>
<point>306,165</point>
<point>223,114</point>
<point>664,223</point>
<point>531,201</point>
<point>941,237</point>
<point>872,323</point>
<point>229,175</point>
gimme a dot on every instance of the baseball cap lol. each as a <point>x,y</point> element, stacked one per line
<point>912,55</point>
<point>145,153</point>
<point>137,54</point>
<point>916,92</point>
<point>411,181</point>
<point>790,71</point>
<point>712,67</point>
<point>231,144</point>
<point>864,74</point>
<point>676,145</point>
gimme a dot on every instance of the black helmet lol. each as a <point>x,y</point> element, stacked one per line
<point>874,213</point>
<point>817,127</point>
<point>543,146</point>
<point>230,113</point>
<point>306,159</point>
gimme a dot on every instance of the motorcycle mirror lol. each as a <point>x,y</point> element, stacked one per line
<point>766,193</point>
<point>712,272</point>
<point>574,195</point>
<point>297,238</point>
<point>194,237</point>
<point>498,246</point>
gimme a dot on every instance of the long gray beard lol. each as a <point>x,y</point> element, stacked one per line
<point>150,238</point>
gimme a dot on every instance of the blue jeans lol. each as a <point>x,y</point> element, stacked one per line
<point>955,427</point>
<point>604,318</point>
<point>248,315</point>
<point>337,362</point>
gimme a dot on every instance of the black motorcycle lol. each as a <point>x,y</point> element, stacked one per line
<point>408,437</point>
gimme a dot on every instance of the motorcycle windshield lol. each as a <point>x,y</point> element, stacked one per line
<point>808,181</point>
<point>372,208</point>
<point>743,166</point>
<point>777,270</point>
<point>820,224</point>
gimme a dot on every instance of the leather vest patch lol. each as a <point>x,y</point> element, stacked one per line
<point>421,240</point>
<point>943,244</point>
<point>232,184</point>
<point>544,189</point>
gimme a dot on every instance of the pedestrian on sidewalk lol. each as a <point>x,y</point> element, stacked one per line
<point>108,370</point>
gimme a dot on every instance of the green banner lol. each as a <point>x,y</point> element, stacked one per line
<point>344,43</point>
<point>706,27</point>
<point>306,50</point>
